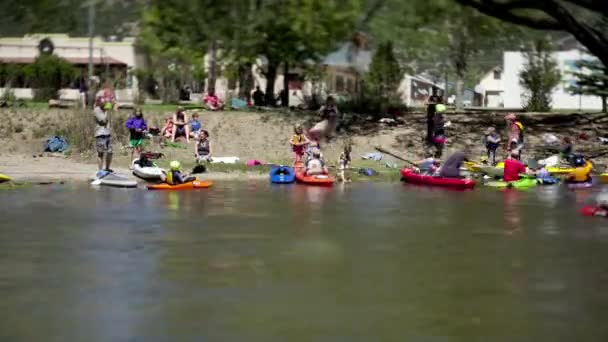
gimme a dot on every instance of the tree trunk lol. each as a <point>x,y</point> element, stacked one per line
<point>212,65</point>
<point>604,104</point>
<point>285,93</point>
<point>271,76</point>
<point>459,93</point>
<point>245,81</point>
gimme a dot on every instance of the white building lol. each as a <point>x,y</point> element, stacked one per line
<point>501,87</point>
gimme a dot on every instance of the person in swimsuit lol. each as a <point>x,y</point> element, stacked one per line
<point>516,135</point>
<point>330,116</point>
<point>180,128</point>
<point>202,149</point>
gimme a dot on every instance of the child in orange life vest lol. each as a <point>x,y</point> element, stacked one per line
<point>298,144</point>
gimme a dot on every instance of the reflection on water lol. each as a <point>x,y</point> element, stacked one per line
<point>252,261</point>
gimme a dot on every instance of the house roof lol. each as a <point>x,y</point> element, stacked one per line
<point>71,60</point>
<point>349,56</point>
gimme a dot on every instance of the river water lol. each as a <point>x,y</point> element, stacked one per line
<point>255,262</point>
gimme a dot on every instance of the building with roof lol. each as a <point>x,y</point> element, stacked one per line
<point>501,87</point>
<point>111,58</point>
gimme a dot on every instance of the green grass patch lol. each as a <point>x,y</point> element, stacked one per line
<point>14,185</point>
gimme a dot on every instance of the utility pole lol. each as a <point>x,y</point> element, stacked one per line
<point>91,94</point>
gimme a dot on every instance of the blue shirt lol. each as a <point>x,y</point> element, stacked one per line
<point>195,125</point>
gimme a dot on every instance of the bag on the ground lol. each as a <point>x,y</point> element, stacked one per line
<point>56,144</point>
<point>368,172</point>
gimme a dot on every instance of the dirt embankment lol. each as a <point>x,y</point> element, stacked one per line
<point>264,136</point>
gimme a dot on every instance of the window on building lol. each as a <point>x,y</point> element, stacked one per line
<point>350,85</point>
<point>497,74</point>
<point>340,84</point>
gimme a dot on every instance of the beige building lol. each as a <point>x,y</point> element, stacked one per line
<point>114,57</point>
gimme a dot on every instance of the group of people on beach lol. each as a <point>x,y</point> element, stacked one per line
<point>306,146</point>
<point>176,126</point>
<point>514,168</point>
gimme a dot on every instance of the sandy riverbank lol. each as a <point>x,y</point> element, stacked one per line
<point>263,136</point>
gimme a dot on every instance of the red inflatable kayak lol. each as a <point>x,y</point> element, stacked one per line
<point>320,180</point>
<point>183,186</point>
<point>409,176</point>
<point>594,211</point>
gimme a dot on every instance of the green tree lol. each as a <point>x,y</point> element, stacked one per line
<point>48,74</point>
<point>442,38</point>
<point>539,77</point>
<point>592,79</point>
<point>284,32</point>
<point>381,83</point>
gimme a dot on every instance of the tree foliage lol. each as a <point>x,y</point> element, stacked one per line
<point>592,79</point>
<point>47,75</point>
<point>440,37</point>
<point>539,77</point>
<point>281,31</point>
<point>587,20</point>
<point>381,83</point>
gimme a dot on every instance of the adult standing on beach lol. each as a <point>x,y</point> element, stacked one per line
<point>103,133</point>
<point>433,100</point>
<point>330,116</point>
<point>516,135</point>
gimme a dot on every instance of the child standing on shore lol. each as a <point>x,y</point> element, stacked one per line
<point>137,127</point>
<point>298,144</point>
<point>344,163</point>
<point>492,141</point>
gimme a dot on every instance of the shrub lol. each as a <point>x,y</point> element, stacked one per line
<point>79,129</point>
<point>539,77</point>
<point>47,75</point>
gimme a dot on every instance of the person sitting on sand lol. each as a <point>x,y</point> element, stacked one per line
<point>513,168</point>
<point>582,171</point>
<point>491,141</point>
<point>452,165</point>
<point>137,127</point>
<point>212,101</point>
<point>195,126</point>
<point>180,127</point>
<point>167,130</point>
<point>298,142</point>
<point>202,149</point>
<point>316,166</point>
<point>175,176</point>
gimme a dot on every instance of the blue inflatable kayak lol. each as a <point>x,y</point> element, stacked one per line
<point>282,174</point>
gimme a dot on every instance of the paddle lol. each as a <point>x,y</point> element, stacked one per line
<point>380,149</point>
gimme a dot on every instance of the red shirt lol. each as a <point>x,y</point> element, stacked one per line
<point>512,170</point>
